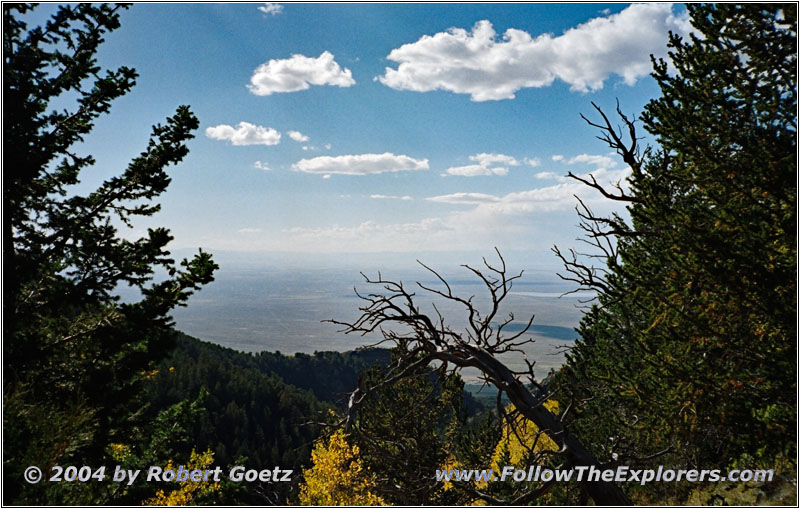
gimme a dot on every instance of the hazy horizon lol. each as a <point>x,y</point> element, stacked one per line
<point>263,306</point>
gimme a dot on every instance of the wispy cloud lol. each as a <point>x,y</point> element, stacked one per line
<point>474,170</point>
<point>260,165</point>
<point>250,230</point>
<point>488,67</point>
<point>245,133</point>
<point>560,196</point>
<point>598,161</point>
<point>368,236</point>
<point>480,220</point>
<point>390,197</point>
<point>298,73</point>
<point>465,198</point>
<point>360,164</point>
<point>549,175</point>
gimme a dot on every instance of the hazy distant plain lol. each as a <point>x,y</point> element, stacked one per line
<point>251,308</point>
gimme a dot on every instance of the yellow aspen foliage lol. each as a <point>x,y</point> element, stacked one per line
<point>338,476</point>
<point>187,490</point>
<point>514,448</point>
<point>526,437</point>
<point>450,464</point>
<point>119,452</point>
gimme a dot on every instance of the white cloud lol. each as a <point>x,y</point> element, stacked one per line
<point>271,8</point>
<point>361,164</point>
<point>328,146</point>
<point>485,159</point>
<point>549,175</point>
<point>560,196</point>
<point>261,166</point>
<point>297,136</point>
<point>533,162</point>
<point>474,170</point>
<point>250,230</point>
<point>298,73</point>
<point>485,166</point>
<point>594,160</point>
<point>245,133</point>
<point>480,220</point>
<point>465,198</point>
<point>390,197</point>
<point>558,157</point>
<point>368,236</point>
<point>488,67</point>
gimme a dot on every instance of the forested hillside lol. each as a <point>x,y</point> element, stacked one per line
<point>261,407</point>
<point>257,410</point>
<point>269,409</point>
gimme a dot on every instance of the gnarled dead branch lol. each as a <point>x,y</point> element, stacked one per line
<point>393,312</point>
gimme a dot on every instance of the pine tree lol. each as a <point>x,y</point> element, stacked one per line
<point>691,349</point>
<point>73,353</point>
<point>405,432</point>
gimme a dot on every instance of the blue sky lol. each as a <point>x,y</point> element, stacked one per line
<point>369,128</point>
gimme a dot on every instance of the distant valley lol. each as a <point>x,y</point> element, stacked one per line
<point>271,309</point>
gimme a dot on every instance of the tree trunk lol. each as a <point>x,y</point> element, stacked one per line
<point>601,492</point>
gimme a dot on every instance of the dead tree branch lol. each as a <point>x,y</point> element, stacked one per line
<point>394,314</point>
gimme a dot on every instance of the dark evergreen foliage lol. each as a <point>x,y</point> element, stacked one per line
<point>253,409</point>
<point>73,354</point>
<point>404,431</point>
<point>691,348</point>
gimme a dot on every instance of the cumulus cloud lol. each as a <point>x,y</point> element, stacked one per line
<point>488,67</point>
<point>486,165</point>
<point>297,136</point>
<point>558,157</point>
<point>261,166</point>
<point>390,197</point>
<point>298,73</point>
<point>360,164</point>
<point>533,162</point>
<point>485,159</point>
<point>245,133</point>
<point>271,8</point>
